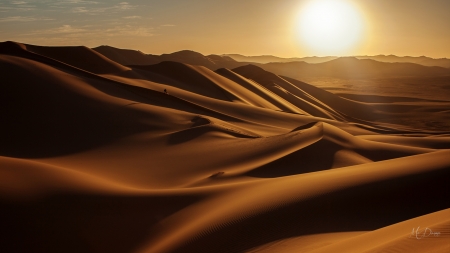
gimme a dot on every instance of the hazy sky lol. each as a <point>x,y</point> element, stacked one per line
<point>250,27</point>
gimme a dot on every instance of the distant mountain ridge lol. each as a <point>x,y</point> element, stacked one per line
<point>422,60</point>
<point>271,58</point>
<point>352,67</point>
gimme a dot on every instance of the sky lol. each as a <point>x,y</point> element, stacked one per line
<point>248,27</point>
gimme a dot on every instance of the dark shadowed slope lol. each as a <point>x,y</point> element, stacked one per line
<point>49,111</point>
<point>127,56</point>
<point>80,57</point>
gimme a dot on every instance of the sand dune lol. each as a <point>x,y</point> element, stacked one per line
<point>133,57</point>
<point>127,56</point>
<point>96,157</point>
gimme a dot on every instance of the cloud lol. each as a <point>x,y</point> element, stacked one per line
<point>132,17</point>
<point>17,7</point>
<point>67,29</point>
<point>79,10</point>
<point>123,6</point>
<point>77,2</point>
<point>168,25</point>
<point>22,19</point>
<point>64,29</point>
<point>88,31</point>
<point>18,2</point>
<point>128,30</point>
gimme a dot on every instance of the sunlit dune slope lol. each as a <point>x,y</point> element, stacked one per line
<point>315,101</point>
<point>174,157</point>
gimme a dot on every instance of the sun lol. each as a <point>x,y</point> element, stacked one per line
<point>330,27</point>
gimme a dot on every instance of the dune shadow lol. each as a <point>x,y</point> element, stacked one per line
<point>303,127</point>
<point>188,135</point>
<point>85,223</point>
<point>315,157</point>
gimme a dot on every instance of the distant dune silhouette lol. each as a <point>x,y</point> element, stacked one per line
<point>271,58</point>
<point>352,67</point>
<point>132,57</point>
<point>422,60</point>
<point>111,150</point>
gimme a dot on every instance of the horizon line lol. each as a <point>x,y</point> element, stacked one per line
<point>227,54</point>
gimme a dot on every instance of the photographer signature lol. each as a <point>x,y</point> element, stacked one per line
<point>427,232</point>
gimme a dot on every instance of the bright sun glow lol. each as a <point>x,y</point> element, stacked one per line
<point>330,27</point>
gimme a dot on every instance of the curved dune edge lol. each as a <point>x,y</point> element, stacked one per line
<point>24,179</point>
<point>428,233</point>
<point>303,243</point>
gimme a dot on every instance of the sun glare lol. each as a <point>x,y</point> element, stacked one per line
<point>330,27</point>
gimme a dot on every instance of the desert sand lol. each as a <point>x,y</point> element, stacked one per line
<point>95,156</point>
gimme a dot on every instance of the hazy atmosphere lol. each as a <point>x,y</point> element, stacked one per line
<point>249,27</point>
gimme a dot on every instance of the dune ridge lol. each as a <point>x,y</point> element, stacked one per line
<point>175,157</point>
